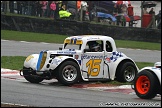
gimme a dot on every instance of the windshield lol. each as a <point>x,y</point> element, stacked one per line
<point>72,46</point>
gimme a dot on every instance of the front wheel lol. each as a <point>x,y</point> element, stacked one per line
<point>146,85</point>
<point>69,73</point>
<point>31,76</point>
<point>126,72</point>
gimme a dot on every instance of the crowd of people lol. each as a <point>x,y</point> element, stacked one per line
<point>36,8</point>
<point>59,9</point>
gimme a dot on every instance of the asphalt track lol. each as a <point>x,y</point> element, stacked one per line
<point>16,90</point>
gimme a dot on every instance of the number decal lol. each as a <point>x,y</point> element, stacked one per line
<point>93,66</point>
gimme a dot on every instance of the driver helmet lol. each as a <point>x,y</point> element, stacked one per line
<point>93,46</point>
<point>96,48</point>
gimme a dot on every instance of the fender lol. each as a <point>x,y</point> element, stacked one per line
<point>116,63</point>
<point>58,60</point>
<point>31,61</point>
<point>156,71</point>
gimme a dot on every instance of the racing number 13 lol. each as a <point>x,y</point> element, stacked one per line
<point>93,66</point>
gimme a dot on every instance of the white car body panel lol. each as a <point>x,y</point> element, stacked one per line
<point>92,64</point>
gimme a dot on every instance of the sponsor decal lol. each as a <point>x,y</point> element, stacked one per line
<point>113,57</point>
<point>66,52</point>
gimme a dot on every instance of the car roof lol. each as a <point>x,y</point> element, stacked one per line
<point>90,37</point>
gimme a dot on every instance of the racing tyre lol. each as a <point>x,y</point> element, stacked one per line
<point>146,85</point>
<point>28,76</point>
<point>69,73</point>
<point>126,72</point>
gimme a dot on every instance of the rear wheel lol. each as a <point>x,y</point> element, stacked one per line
<point>69,73</point>
<point>31,76</point>
<point>146,85</point>
<point>126,72</point>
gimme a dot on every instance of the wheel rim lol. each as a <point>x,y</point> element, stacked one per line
<point>129,74</point>
<point>143,84</point>
<point>69,73</point>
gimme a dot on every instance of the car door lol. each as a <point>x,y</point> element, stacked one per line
<point>92,64</point>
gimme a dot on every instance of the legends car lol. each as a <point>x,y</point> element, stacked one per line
<point>81,58</point>
<point>147,83</point>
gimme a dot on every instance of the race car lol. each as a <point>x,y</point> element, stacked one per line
<point>81,58</point>
<point>147,83</point>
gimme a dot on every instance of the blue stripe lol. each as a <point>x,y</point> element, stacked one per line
<point>39,60</point>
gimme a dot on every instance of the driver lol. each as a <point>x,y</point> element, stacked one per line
<point>94,46</point>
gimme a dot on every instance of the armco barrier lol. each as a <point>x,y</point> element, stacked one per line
<point>67,27</point>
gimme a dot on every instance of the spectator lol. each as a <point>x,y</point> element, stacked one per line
<point>124,12</point>
<point>29,7</point>
<point>52,9</point>
<point>115,9</point>
<point>48,10</point>
<point>33,9</point>
<point>44,8</point>
<point>64,14</point>
<point>56,15</point>
<point>3,3</point>
<point>130,14</point>
<point>24,7</point>
<point>158,20</point>
<point>145,10</point>
<point>90,9</point>
<point>11,6</point>
<point>19,7</point>
<point>84,6</point>
<point>119,11</point>
<point>152,11</point>
<point>78,8</point>
<point>38,6</point>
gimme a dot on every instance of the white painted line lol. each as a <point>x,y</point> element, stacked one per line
<point>13,104</point>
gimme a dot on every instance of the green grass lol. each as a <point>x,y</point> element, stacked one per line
<point>12,62</point>
<point>55,38</point>
<point>32,37</point>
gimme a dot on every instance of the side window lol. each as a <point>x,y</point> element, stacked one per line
<point>108,46</point>
<point>95,46</point>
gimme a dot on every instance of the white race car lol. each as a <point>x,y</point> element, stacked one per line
<point>147,83</point>
<point>82,58</point>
